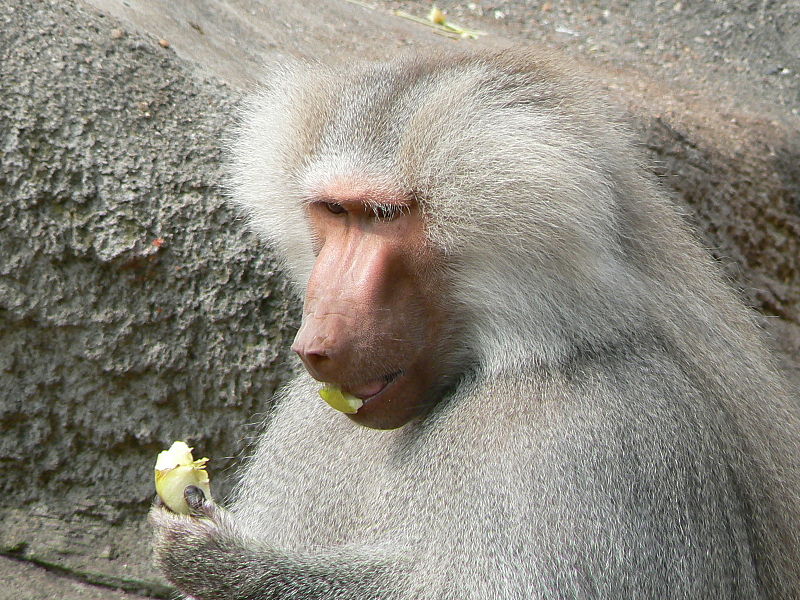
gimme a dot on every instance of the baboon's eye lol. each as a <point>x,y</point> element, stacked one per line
<point>335,208</point>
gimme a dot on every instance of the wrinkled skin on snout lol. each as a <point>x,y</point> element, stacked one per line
<point>373,316</point>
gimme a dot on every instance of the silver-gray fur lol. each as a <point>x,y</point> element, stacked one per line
<point>616,431</point>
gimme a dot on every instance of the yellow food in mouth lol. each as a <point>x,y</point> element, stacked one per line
<point>176,470</point>
<point>341,401</point>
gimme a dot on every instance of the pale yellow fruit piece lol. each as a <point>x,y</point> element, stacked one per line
<point>176,470</point>
<point>341,401</point>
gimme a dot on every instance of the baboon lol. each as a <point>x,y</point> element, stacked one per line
<point>561,396</point>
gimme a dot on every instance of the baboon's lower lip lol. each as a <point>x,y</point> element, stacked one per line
<point>370,390</point>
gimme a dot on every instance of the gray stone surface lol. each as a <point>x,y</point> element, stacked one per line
<point>134,308</point>
<point>237,40</point>
<point>22,580</point>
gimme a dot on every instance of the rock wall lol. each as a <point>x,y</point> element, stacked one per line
<point>134,308</point>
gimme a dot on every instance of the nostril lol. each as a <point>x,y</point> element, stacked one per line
<point>310,357</point>
<point>314,349</point>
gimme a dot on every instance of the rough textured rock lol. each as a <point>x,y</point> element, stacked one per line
<point>135,309</point>
<point>238,40</point>
<point>736,173</point>
<point>24,581</point>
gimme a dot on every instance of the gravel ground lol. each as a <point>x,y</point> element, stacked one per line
<point>743,51</point>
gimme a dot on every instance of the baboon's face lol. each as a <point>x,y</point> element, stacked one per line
<point>371,318</point>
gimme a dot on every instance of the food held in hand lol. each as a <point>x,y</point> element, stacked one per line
<point>341,401</point>
<point>176,469</point>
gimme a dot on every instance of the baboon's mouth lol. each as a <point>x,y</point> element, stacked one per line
<point>374,388</point>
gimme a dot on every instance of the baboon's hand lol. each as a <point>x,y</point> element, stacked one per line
<point>206,555</point>
<point>185,545</point>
